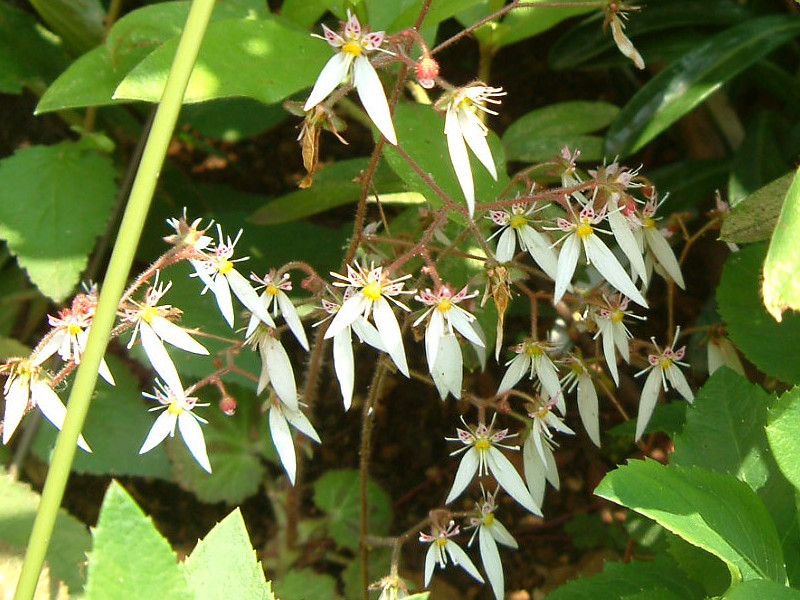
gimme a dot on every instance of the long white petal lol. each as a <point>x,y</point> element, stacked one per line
<point>53,410</point>
<point>289,313</point>
<point>461,323</point>
<point>16,403</point>
<point>620,335</point>
<point>664,255</point>
<point>587,407</point>
<point>192,436</point>
<point>607,334</point>
<point>516,371</point>
<point>548,376</point>
<point>550,468</point>
<point>449,368</point>
<point>367,334</point>
<point>475,136</point>
<point>506,246</point>
<point>433,335</point>
<point>300,422</point>
<point>263,376</point>
<point>678,381</point>
<point>430,563</point>
<point>352,309</point>
<point>51,347</point>
<point>627,243</point>
<point>282,438</point>
<point>159,358</point>
<point>177,336</point>
<point>541,251</point>
<point>332,74</point>
<point>491,562</point>
<point>280,372</point>
<point>460,558</point>
<point>567,261</point>
<point>369,88</point>
<point>222,292</point>
<point>647,402</point>
<point>460,159</point>
<point>392,338</point>
<point>502,535</point>
<point>607,264</point>
<point>344,365</point>
<point>164,426</point>
<point>464,474</point>
<point>533,466</point>
<point>248,296</point>
<point>508,478</point>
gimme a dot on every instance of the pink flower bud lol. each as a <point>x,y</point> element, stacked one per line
<point>427,70</point>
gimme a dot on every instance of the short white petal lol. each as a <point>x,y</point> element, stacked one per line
<point>280,372</point>
<point>460,159</point>
<point>678,381</point>
<point>506,246</point>
<point>192,436</point>
<point>460,322</point>
<point>475,136</point>
<point>53,410</point>
<point>541,251</point>
<point>664,255</point>
<point>491,562</point>
<point>204,273</point>
<point>367,333</point>
<point>516,371</point>
<point>567,261</point>
<point>289,313</point>
<point>159,358</point>
<point>587,407</point>
<point>248,296</point>
<point>461,559</point>
<point>351,310</point>
<point>105,372</point>
<point>370,91</point>
<point>222,293</point>
<point>627,242</point>
<point>392,338</point>
<point>344,365</point>
<point>508,478</point>
<point>502,535</point>
<point>607,264</point>
<point>177,336</point>
<point>300,422</point>
<point>647,402</point>
<point>164,426</point>
<point>466,471</point>
<point>252,324</point>
<point>621,341</point>
<point>332,74</point>
<point>430,563</point>
<point>282,438</point>
<point>16,402</point>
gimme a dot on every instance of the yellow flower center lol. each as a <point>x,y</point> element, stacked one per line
<point>353,48</point>
<point>272,290</point>
<point>617,316</point>
<point>372,291</point>
<point>224,266</point>
<point>174,409</point>
<point>482,444</point>
<point>488,519</point>
<point>648,223</point>
<point>444,305</point>
<point>664,362</point>
<point>440,541</point>
<point>584,230</point>
<point>74,329</point>
<point>533,350</point>
<point>148,314</point>
<point>517,221</point>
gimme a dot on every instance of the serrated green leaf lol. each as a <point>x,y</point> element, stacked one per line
<point>760,590</point>
<point>130,560</point>
<point>224,565</point>
<point>771,346</point>
<point>713,511</point>
<point>781,288</point>
<point>54,202</point>
<point>724,431</point>
<point>704,568</point>
<point>305,584</point>
<point>685,83</point>
<point>753,219</point>
<point>70,540</point>
<point>336,493</point>
<point>783,433</point>
<point>759,159</point>
<point>266,59</point>
<point>116,427</point>
<point>654,594</point>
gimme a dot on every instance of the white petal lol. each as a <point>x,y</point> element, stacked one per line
<point>607,264</point>
<point>352,308</point>
<point>177,336</point>
<point>587,407</point>
<point>193,438</point>
<point>159,358</point>
<point>508,478</point>
<point>430,563</point>
<point>344,365</point>
<point>548,376</point>
<point>621,341</point>
<point>300,422</point>
<point>461,323</point>
<point>550,468</point>
<point>204,273</point>
<point>433,336</point>
<point>501,534</point>
<point>460,558</point>
<point>164,426</point>
<point>252,324</point>
<point>627,243</point>
<point>369,88</point>
<point>491,562</point>
<point>105,373</point>
<point>664,255</point>
<point>367,333</point>
<point>51,347</point>
<point>292,320</point>
<point>533,466</point>
<point>647,402</point>
<point>475,136</point>
<point>16,402</point>
<point>506,246</point>
<point>678,381</point>
<point>392,338</point>
<point>332,74</point>
<point>516,371</point>
<point>464,474</point>
<point>607,334</point>
<point>567,261</point>
<point>53,410</point>
<point>280,372</point>
<point>460,159</point>
<point>222,293</point>
<point>541,251</point>
<point>248,296</point>
<point>282,438</point>
<point>449,368</point>
<point>263,376</point>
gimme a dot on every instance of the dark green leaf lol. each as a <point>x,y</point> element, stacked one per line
<point>685,83</point>
<point>305,584</point>
<point>303,12</point>
<point>379,563</point>
<point>54,202</point>
<point>668,418</point>
<point>79,23</point>
<point>780,288</point>
<point>690,183</point>
<point>704,568</point>
<point>761,590</point>
<point>783,433</point>
<point>713,511</point>
<point>526,23</point>
<point>758,160</point>
<point>771,346</point>
<point>754,218</point>
<point>231,119</point>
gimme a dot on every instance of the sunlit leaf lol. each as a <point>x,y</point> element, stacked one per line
<point>781,286</point>
<point>754,218</point>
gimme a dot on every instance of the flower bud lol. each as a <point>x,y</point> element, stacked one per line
<point>427,69</point>
<point>227,405</point>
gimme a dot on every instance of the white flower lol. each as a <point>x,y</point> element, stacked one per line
<point>580,230</point>
<point>463,128</point>
<point>188,234</point>
<point>622,227</point>
<point>578,376</point>
<point>353,44</point>
<point>218,274</point>
<point>276,290</point>
<point>490,531</point>
<point>25,388</point>
<point>178,412</point>
<point>371,288</point>
<point>481,456</point>
<point>532,358</point>
<point>650,237</point>
<point>391,587</point>
<point>663,367</point>
<point>151,324</point>
<point>611,327</point>
<point>515,225</point>
<point>721,353</point>
<point>276,368</point>
<point>538,462</point>
<point>441,546</point>
<point>280,417</point>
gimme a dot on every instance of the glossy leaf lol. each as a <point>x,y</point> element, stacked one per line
<point>781,287</point>
<point>783,433</point>
<point>528,22</point>
<point>689,502</point>
<point>754,218</point>
<point>685,83</point>
<point>760,590</point>
<point>267,59</point>
<point>79,23</point>
<point>771,346</point>
<point>54,202</point>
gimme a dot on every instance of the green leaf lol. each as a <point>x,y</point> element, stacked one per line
<point>115,428</point>
<point>754,218</point>
<point>79,23</point>
<point>685,83</point>
<point>231,119</point>
<point>668,418</point>
<point>438,12</point>
<point>337,494</point>
<point>758,160</point>
<point>690,182</point>
<point>224,565</point>
<point>303,12</point>
<point>305,584</point>
<point>70,540</point>
<point>713,511</point>
<point>781,288</point>
<point>771,346</point>
<point>525,23</point>
<point>379,563</point>
<point>704,568</point>
<point>783,433</point>
<point>724,432</point>
<point>420,133</point>
<point>618,580</point>
<point>540,134</point>
<point>759,589</point>
<point>54,202</point>
<point>130,560</point>
<point>267,60</point>
<point>27,56</point>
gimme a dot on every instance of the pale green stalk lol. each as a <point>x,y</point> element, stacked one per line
<point>116,277</point>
